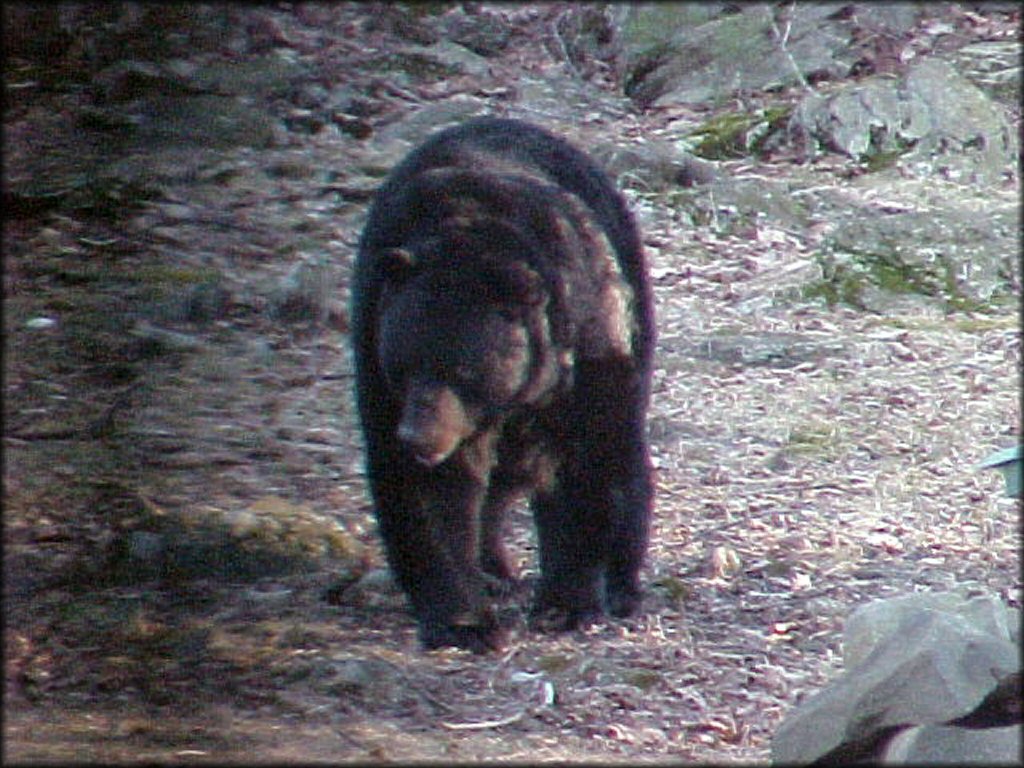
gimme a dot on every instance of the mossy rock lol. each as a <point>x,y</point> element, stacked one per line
<point>738,134</point>
<point>861,279</point>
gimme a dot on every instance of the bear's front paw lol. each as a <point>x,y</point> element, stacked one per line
<point>561,609</point>
<point>481,634</point>
<point>623,600</point>
<point>570,602</point>
<point>561,619</point>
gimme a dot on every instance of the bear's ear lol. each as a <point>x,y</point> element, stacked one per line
<point>518,284</point>
<point>397,263</point>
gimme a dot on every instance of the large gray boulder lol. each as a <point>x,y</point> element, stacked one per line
<point>994,66</point>
<point>675,53</point>
<point>874,623</point>
<point>914,664</point>
<point>941,123</point>
<point>941,744</point>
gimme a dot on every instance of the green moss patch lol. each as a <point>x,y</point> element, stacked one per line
<point>738,134</point>
<point>847,277</point>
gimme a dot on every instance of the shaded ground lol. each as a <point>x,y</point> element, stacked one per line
<point>191,568</point>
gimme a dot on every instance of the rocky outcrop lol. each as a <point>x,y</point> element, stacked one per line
<point>929,678</point>
<point>939,121</point>
<point>676,53</point>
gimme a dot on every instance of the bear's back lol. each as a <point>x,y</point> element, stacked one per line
<point>530,149</point>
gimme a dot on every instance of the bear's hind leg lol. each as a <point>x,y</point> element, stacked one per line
<point>573,546</point>
<point>594,533</point>
<point>631,523</point>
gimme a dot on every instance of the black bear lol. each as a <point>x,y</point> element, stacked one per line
<point>503,328</point>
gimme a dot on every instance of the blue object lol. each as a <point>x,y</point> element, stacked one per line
<point>1007,461</point>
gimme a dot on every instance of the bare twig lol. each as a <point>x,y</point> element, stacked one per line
<point>486,723</point>
<point>782,38</point>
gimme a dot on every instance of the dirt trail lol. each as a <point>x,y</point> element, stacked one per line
<point>191,570</point>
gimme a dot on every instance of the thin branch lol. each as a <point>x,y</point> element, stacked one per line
<point>486,723</point>
<point>782,38</point>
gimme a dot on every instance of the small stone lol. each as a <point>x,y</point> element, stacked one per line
<point>40,323</point>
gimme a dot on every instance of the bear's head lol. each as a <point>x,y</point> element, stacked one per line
<point>460,343</point>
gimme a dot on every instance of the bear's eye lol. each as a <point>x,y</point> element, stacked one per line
<point>508,314</point>
<point>466,374</point>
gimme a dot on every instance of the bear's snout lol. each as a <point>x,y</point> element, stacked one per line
<point>434,423</point>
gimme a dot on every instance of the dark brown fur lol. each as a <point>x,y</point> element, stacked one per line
<point>503,328</point>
